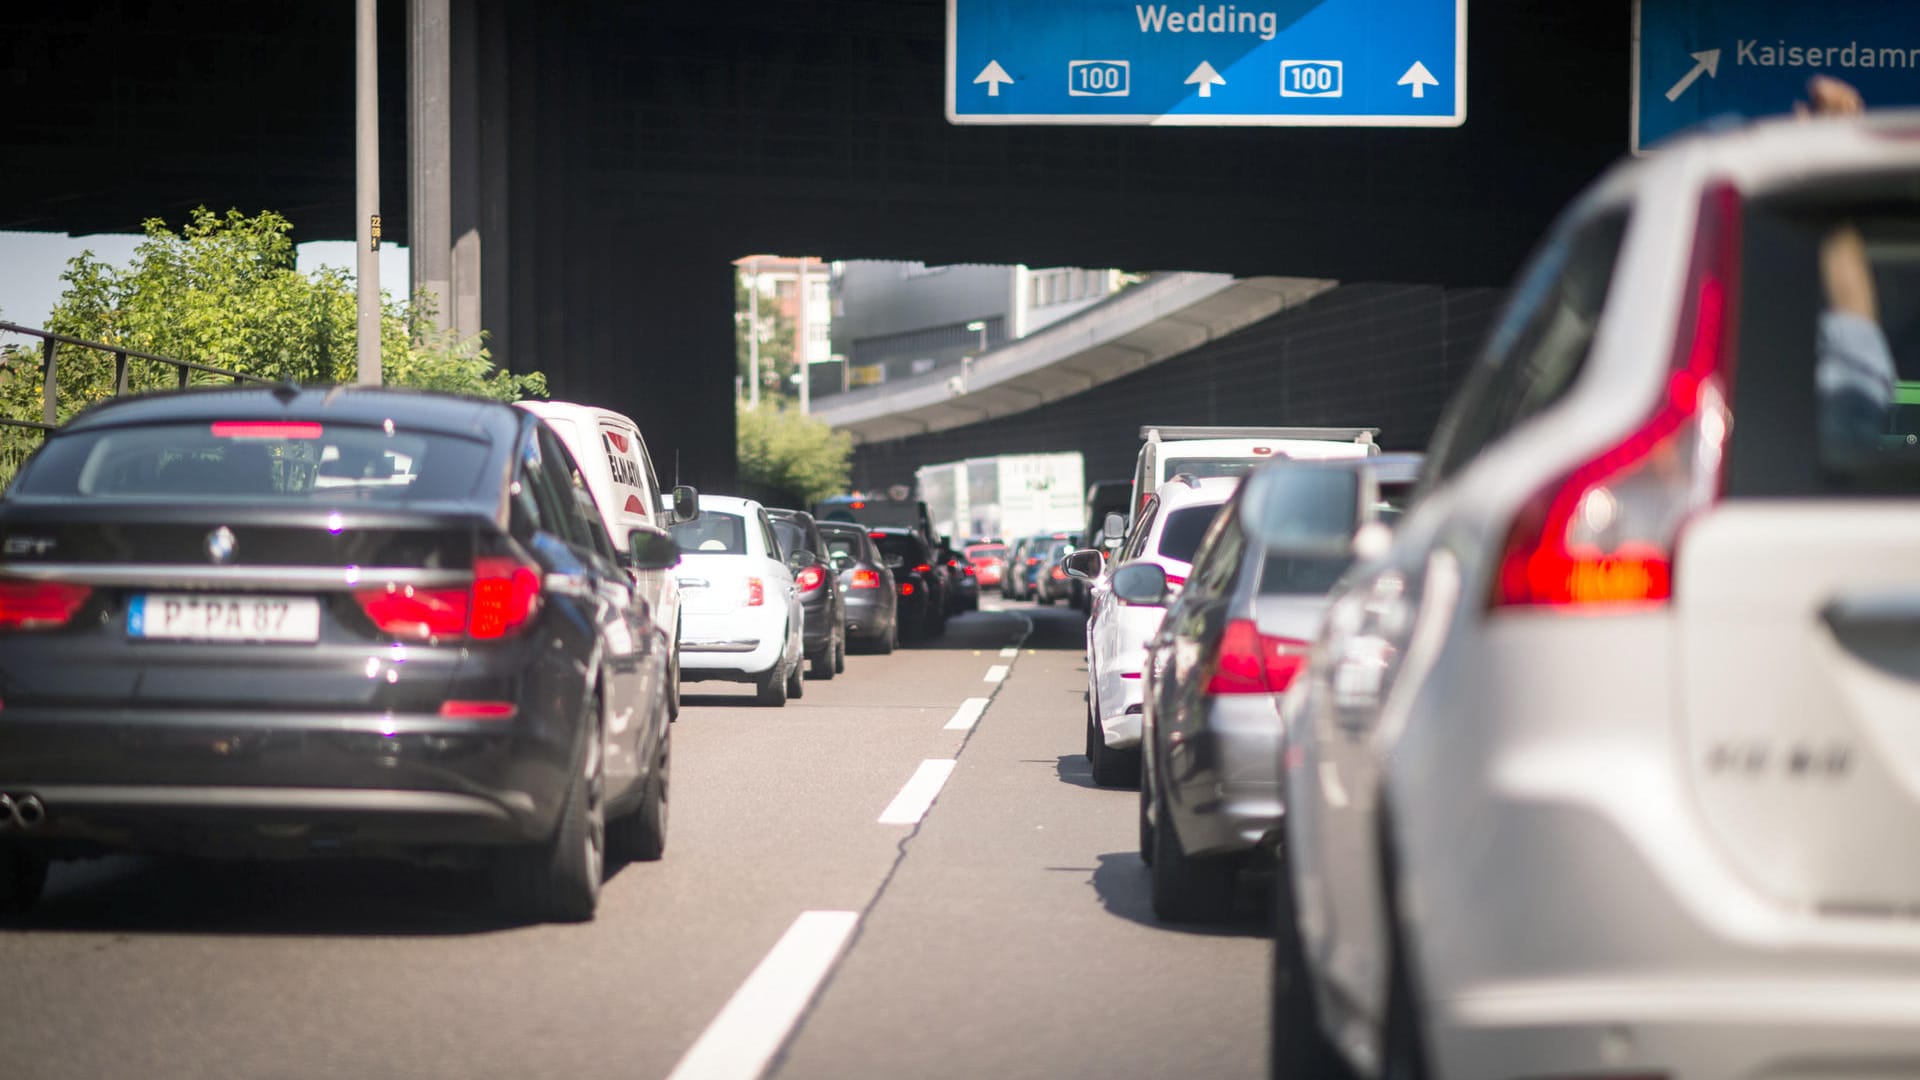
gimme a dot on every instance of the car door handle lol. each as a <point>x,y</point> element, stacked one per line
<point>1880,609</point>
<point>694,583</point>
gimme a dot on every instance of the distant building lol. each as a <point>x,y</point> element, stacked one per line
<point>777,280</point>
<point>894,320</point>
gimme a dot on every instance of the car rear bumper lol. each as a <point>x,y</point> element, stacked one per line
<point>868,614</point>
<point>734,645</point>
<point>1223,779</point>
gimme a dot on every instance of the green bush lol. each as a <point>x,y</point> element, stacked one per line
<point>782,450</point>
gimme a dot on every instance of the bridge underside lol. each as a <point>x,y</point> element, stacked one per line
<point>612,157</point>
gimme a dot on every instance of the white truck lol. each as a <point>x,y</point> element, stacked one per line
<point>1007,496</point>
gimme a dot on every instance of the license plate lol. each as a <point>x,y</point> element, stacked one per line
<point>199,617</point>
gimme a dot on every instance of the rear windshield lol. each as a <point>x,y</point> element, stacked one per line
<point>841,546</point>
<point>250,461</point>
<point>1285,574</point>
<point>1185,527</point>
<point>791,535</point>
<point>1826,394</point>
<point>992,551</point>
<point>712,533</point>
<point>1202,468</point>
<point>901,547</point>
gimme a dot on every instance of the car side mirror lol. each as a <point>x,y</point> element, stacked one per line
<point>649,548</point>
<point>1140,584</point>
<point>1372,541</point>
<point>1084,564</point>
<point>895,562</point>
<point>686,503</point>
<point>1115,527</point>
<point>802,558</point>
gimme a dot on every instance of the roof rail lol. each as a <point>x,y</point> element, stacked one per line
<point>1340,434</point>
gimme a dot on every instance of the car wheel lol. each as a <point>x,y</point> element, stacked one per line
<point>1404,1055</point>
<point>771,689</point>
<point>1186,889</point>
<point>1146,824</point>
<point>840,654</point>
<point>1299,1045</point>
<point>673,684</point>
<point>559,880</point>
<point>1111,768</point>
<point>641,836</point>
<point>23,877</point>
<point>889,640</point>
<point>795,688</point>
<point>820,664</point>
<point>1044,597</point>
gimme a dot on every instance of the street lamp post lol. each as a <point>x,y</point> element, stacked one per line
<point>979,326</point>
<point>366,124</point>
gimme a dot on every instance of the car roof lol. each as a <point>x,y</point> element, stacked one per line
<point>1212,490</point>
<point>452,414</point>
<point>795,515</point>
<point>729,503</point>
<point>572,409</point>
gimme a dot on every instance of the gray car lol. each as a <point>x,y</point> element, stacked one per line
<point>866,584</point>
<point>1227,650</point>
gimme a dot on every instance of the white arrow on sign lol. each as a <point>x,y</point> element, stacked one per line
<point>993,75</point>
<point>1707,60</point>
<point>1207,78</point>
<point>1419,78</point>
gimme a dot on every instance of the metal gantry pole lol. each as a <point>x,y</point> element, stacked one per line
<point>753,333</point>
<point>366,120</point>
<point>802,361</point>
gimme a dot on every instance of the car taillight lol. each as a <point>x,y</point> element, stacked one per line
<point>410,612</point>
<point>1033,562</point>
<point>970,571</point>
<point>810,578</point>
<point>906,588</point>
<point>506,596</point>
<point>1606,533</point>
<point>39,605</point>
<point>1175,579</point>
<point>756,592</point>
<point>478,710</point>
<point>923,568</point>
<point>866,579</point>
<point>1250,662</point>
<point>266,429</point>
<point>1057,574</point>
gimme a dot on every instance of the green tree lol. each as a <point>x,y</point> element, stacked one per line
<point>782,450</point>
<point>226,290</point>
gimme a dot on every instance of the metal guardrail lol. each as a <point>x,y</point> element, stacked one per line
<point>122,357</point>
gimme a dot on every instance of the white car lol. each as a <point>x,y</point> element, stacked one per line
<point>740,610</point>
<point>1167,532</point>
<point>614,461</point>
<point>1204,452</point>
<point>1611,766</point>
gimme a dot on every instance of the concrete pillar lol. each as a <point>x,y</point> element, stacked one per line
<point>430,154</point>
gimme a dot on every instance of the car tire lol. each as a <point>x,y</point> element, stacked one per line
<point>840,654</point>
<point>558,880</point>
<point>889,640</point>
<point>1299,1045</point>
<point>1044,597</point>
<point>1110,767</point>
<point>673,683</point>
<point>23,877</point>
<point>1187,889</point>
<point>796,689</point>
<point>771,688</point>
<point>1146,824</point>
<point>820,664</point>
<point>641,835</point>
<point>1403,1057</point>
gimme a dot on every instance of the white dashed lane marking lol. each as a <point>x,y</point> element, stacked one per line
<point>742,1040</point>
<point>997,673</point>
<point>968,714</point>
<point>908,807</point>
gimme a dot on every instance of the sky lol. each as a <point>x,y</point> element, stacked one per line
<point>31,264</point>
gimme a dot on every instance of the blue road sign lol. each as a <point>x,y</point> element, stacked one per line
<point>1696,59</point>
<point>1323,63</point>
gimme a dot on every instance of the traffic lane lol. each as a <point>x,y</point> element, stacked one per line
<point>175,968</point>
<point>1017,940</point>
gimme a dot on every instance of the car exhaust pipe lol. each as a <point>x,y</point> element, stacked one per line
<point>29,812</point>
<point>9,813</point>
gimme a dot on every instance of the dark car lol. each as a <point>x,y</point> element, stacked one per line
<point>866,584</point>
<point>824,634</point>
<point>920,584</point>
<point>311,622</point>
<point>963,581</point>
<point>1050,580</point>
<point>878,512</point>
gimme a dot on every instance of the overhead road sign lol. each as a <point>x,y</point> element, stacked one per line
<point>1698,59</point>
<point>1307,63</point>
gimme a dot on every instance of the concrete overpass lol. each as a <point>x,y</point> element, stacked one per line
<point>607,159</point>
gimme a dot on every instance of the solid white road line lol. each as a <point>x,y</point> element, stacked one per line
<point>968,714</point>
<point>1010,652</point>
<point>908,807</point>
<point>742,1040</point>
<point>997,673</point>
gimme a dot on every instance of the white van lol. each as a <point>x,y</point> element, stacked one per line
<point>1206,452</point>
<point>613,458</point>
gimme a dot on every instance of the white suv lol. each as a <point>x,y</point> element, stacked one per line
<point>1167,532</point>
<point>1205,452</point>
<point>1612,765</point>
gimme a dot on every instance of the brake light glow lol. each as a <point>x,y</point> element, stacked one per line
<point>1058,574</point>
<point>478,710</point>
<point>810,578</point>
<point>756,592</point>
<point>970,571</point>
<point>923,568</point>
<point>906,588</point>
<point>1033,562</point>
<point>1250,662</point>
<point>506,596</point>
<point>866,579</point>
<point>39,605</point>
<point>1175,579</point>
<point>408,612</point>
<point>1606,533</point>
<point>266,429</point>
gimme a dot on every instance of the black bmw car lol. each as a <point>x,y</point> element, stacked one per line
<point>920,583</point>
<point>287,623</point>
<point>824,633</point>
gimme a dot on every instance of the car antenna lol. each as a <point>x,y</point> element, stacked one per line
<point>286,391</point>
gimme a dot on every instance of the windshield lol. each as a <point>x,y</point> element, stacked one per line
<point>251,461</point>
<point>792,536</point>
<point>1203,468</point>
<point>903,548</point>
<point>712,533</point>
<point>1184,530</point>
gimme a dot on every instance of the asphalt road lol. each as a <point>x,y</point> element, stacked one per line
<point>1006,933</point>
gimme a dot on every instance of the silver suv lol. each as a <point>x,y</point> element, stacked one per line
<point>1612,765</point>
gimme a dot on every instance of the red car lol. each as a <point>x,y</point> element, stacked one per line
<point>987,560</point>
